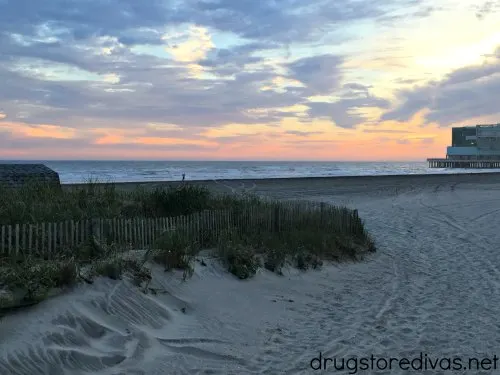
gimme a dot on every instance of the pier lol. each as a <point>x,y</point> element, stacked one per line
<point>461,163</point>
<point>474,147</point>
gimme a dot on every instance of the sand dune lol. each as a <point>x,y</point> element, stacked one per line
<point>432,287</point>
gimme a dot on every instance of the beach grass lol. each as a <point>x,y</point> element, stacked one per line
<point>27,280</point>
<point>300,235</point>
<point>264,233</point>
<point>39,202</point>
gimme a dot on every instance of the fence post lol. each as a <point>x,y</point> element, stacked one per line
<point>3,240</point>
<point>136,233</point>
<point>276,219</point>
<point>322,207</point>
<point>61,236</point>
<point>17,239</point>
<point>101,230</point>
<point>49,237</point>
<point>9,239</point>
<point>83,228</point>
<point>30,237</point>
<point>67,237</point>
<point>72,233</point>
<point>55,238</point>
<point>23,238</point>
<point>141,229</point>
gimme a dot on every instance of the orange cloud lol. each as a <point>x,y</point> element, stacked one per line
<point>172,141</point>
<point>39,130</point>
<point>110,140</point>
<point>291,139</point>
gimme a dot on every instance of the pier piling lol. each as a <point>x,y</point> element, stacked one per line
<point>460,163</point>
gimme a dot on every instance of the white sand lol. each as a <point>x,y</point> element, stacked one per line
<point>432,287</point>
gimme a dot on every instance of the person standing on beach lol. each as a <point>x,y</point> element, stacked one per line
<point>183,176</point>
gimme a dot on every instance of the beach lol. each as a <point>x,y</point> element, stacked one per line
<point>80,171</point>
<point>431,287</point>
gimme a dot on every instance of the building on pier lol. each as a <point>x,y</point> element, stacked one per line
<point>472,147</point>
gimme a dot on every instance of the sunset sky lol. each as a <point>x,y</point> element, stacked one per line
<point>244,79</point>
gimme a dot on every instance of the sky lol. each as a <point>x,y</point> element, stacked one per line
<point>338,80</point>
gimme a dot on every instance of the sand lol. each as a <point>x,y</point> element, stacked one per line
<point>432,287</point>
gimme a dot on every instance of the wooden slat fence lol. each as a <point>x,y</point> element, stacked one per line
<point>47,239</point>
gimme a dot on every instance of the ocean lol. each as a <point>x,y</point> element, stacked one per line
<point>140,171</point>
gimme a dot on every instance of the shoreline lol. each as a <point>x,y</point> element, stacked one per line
<point>333,182</point>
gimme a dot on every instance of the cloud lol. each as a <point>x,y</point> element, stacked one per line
<point>193,49</point>
<point>302,133</point>
<point>357,87</point>
<point>465,93</point>
<point>227,62</point>
<point>386,131</point>
<point>345,113</point>
<point>162,72</point>
<point>284,21</point>
<point>486,8</point>
<point>320,74</point>
<point>81,19</point>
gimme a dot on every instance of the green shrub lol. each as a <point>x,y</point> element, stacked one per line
<point>275,260</point>
<point>183,200</point>
<point>240,259</point>
<point>36,277</point>
<point>305,260</point>
<point>65,273</point>
<point>112,268</point>
<point>175,249</point>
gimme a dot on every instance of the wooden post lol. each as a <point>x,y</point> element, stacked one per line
<point>322,209</point>
<point>83,225</point>
<point>9,237</point>
<point>123,237</point>
<point>17,239</point>
<point>143,242</point>
<point>100,229</point>
<point>72,236</point>
<point>67,235</point>
<point>210,221</point>
<point>276,219</point>
<point>152,226</point>
<point>134,232</point>
<point>40,238</point>
<point>128,229</point>
<point>120,230</point>
<point>148,231</point>
<point>197,226</point>
<point>23,238</point>
<point>3,241</point>
<point>54,237</point>
<point>61,233</point>
<point>30,238</point>
<point>49,239</point>
<point>77,233</point>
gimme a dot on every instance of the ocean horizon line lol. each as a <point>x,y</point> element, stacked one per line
<point>216,160</point>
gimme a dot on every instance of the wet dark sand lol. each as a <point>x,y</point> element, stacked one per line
<point>283,187</point>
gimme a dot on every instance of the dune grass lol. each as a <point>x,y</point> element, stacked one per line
<point>261,233</point>
<point>273,235</point>
<point>27,280</point>
<point>39,202</point>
